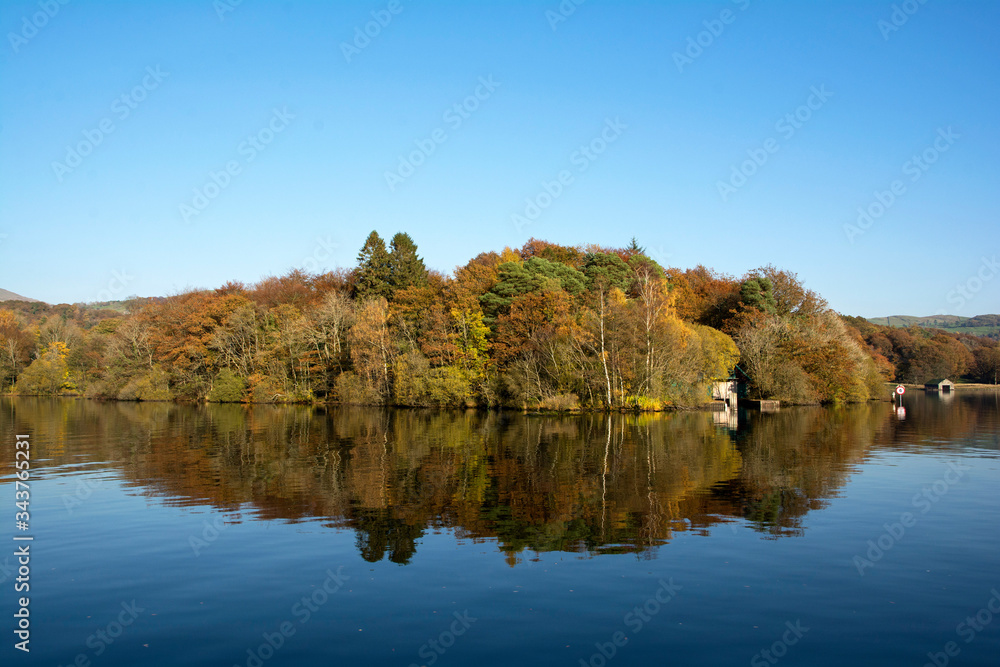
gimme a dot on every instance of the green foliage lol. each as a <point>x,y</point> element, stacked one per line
<point>757,293</point>
<point>607,270</point>
<point>518,278</point>
<point>374,274</point>
<point>228,387</point>
<point>152,385</point>
<point>406,269</point>
<point>417,384</point>
<point>48,375</point>
<point>547,326</point>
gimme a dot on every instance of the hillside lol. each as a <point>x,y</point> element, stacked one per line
<point>7,295</point>
<point>980,325</point>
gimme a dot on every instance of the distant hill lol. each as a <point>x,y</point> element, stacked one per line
<point>980,325</point>
<point>6,295</point>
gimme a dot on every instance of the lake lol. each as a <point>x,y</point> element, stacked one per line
<point>286,535</point>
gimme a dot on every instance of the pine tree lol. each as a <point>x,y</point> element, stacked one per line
<point>634,248</point>
<point>406,269</point>
<point>374,272</point>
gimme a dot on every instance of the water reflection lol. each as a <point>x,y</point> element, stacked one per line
<point>598,484</point>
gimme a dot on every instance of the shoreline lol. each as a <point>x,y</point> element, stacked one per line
<point>710,407</point>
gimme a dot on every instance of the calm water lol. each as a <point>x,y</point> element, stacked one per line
<point>179,535</point>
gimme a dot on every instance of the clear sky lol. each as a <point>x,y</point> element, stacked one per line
<point>729,134</point>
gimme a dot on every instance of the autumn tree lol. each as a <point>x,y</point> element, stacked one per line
<point>986,364</point>
<point>49,374</point>
<point>653,304</point>
<point>15,348</point>
<point>372,353</point>
<point>326,335</point>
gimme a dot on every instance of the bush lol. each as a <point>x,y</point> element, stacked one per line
<point>560,403</point>
<point>268,389</point>
<point>415,383</point>
<point>643,404</point>
<point>228,387</point>
<point>98,389</point>
<point>352,389</point>
<point>447,386</point>
<point>149,386</point>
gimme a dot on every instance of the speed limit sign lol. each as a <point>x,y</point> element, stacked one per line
<point>900,390</point>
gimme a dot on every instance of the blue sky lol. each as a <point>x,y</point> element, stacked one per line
<point>309,131</point>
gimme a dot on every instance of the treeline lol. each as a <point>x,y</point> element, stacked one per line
<point>542,327</point>
<point>917,354</point>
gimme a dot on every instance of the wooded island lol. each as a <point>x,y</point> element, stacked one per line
<point>545,327</point>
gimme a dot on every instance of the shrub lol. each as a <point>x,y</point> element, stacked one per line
<point>268,389</point>
<point>148,386</point>
<point>352,389</point>
<point>560,403</point>
<point>643,404</point>
<point>228,387</point>
<point>415,383</point>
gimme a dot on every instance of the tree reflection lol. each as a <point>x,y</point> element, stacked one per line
<point>587,484</point>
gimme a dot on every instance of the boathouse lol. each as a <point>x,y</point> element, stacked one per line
<point>944,385</point>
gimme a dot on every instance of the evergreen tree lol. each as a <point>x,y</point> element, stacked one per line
<point>634,248</point>
<point>757,292</point>
<point>517,278</point>
<point>372,278</point>
<point>607,270</point>
<point>406,269</point>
